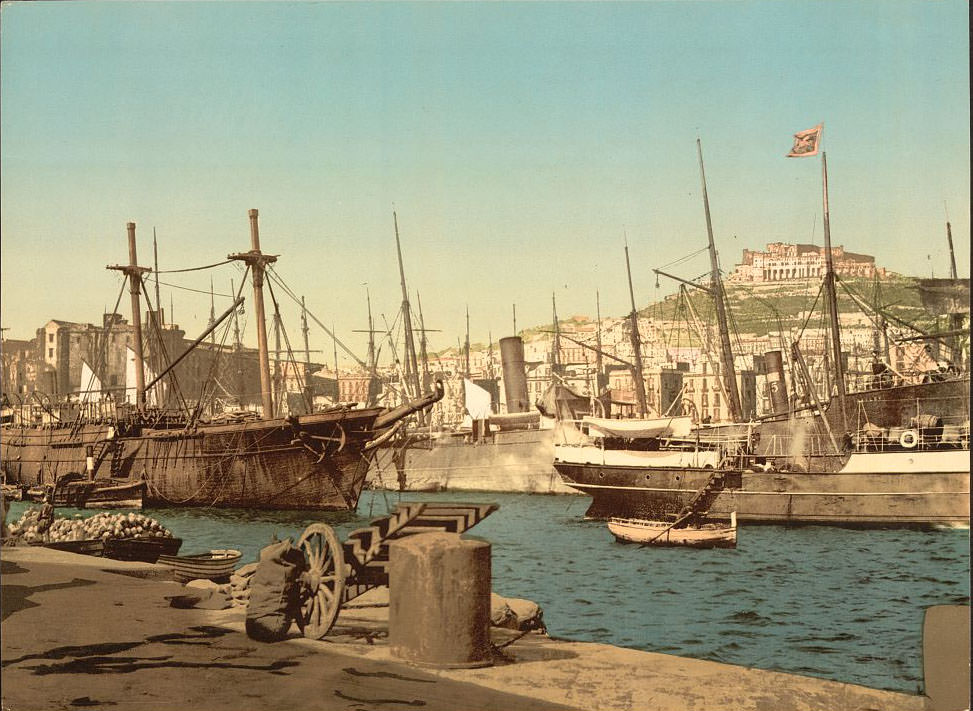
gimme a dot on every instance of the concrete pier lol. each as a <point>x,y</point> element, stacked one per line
<point>91,632</point>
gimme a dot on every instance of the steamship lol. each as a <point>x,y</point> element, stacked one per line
<point>511,452</point>
<point>894,451</point>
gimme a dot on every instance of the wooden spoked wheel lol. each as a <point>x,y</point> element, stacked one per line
<point>325,577</point>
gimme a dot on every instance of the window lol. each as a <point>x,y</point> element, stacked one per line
<point>50,338</point>
<point>50,352</point>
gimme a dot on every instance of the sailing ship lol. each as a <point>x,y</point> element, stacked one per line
<point>890,453</point>
<point>310,461</point>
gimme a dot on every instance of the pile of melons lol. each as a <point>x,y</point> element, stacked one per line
<point>102,526</point>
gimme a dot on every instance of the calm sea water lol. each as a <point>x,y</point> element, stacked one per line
<point>829,602</point>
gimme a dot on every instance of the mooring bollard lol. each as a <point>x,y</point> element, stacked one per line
<point>946,657</point>
<point>439,600</point>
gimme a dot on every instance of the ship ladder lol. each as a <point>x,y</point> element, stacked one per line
<point>704,497</point>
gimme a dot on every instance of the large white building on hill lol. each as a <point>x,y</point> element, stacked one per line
<point>784,262</point>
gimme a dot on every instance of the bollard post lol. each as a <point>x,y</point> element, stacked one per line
<point>946,657</point>
<point>439,601</point>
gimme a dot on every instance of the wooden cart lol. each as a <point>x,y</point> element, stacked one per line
<point>339,572</point>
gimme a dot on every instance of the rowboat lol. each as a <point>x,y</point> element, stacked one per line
<point>90,546</point>
<point>216,565</point>
<point>663,533</point>
<point>146,550</point>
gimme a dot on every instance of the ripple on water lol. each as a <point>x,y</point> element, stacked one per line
<point>836,603</point>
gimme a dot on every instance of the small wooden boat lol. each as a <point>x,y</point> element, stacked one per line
<point>92,546</point>
<point>663,533</point>
<point>215,565</point>
<point>146,550</point>
<point>76,492</point>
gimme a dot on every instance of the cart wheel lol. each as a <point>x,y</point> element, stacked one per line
<point>325,577</point>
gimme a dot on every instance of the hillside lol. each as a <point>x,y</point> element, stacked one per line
<point>756,308</point>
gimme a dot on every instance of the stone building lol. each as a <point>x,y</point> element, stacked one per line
<point>785,262</point>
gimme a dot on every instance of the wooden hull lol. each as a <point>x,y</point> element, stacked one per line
<point>146,550</point>
<point>94,546</point>
<point>215,565</point>
<point>658,533</point>
<point>314,462</point>
<point>871,490</point>
<point>99,495</point>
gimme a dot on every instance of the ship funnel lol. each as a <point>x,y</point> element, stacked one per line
<point>776,385</point>
<point>514,374</point>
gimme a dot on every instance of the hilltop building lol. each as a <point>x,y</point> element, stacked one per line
<point>785,262</point>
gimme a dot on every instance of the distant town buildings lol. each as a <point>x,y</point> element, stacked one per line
<point>786,262</point>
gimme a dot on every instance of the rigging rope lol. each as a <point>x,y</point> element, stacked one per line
<point>272,273</point>
<point>190,269</point>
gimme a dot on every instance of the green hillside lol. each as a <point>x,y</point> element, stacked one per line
<point>756,308</point>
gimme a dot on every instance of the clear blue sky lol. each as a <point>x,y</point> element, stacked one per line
<point>518,143</point>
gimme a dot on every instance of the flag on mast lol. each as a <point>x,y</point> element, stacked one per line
<point>807,143</point>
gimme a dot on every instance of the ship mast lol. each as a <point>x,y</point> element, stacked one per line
<point>158,302</point>
<point>636,343</point>
<point>556,347</point>
<point>466,346</point>
<point>304,330</point>
<point>952,254</point>
<point>599,363</point>
<point>719,296</point>
<point>423,345</point>
<point>831,297</point>
<point>411,367</point>
<point>133,272</point>
<point>257,261</point>
<point>955,319</point>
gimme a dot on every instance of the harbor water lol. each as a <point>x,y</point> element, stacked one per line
<point>830,602</point>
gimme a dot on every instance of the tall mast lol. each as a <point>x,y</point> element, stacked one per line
<point>304,330</point>
<point>423,345</point>
<point>831,296</point>
<point>134,274</point>
<point>952,254</point>
<point>371,346</point>
<point>257,262</point>
<point>556,348</point>
<point>236,319</point>
<point>956,319</point>
<point>719,295</point>
<point>277,391</point>
<point>515,319</point>
<point>466,347</point>
<point>490,356</point>
<point>212,311</point>
<point>639,377</point>
<point>337,379</point>
<point>599,364</point>
<point>411,367</point>
<point>158,303</point>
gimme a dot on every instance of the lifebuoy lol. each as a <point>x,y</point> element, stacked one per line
<point>909,439</point>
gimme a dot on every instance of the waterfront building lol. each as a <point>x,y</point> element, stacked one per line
<point>785,262</point>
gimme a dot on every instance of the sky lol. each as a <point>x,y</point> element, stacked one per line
<point>520,144</point>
